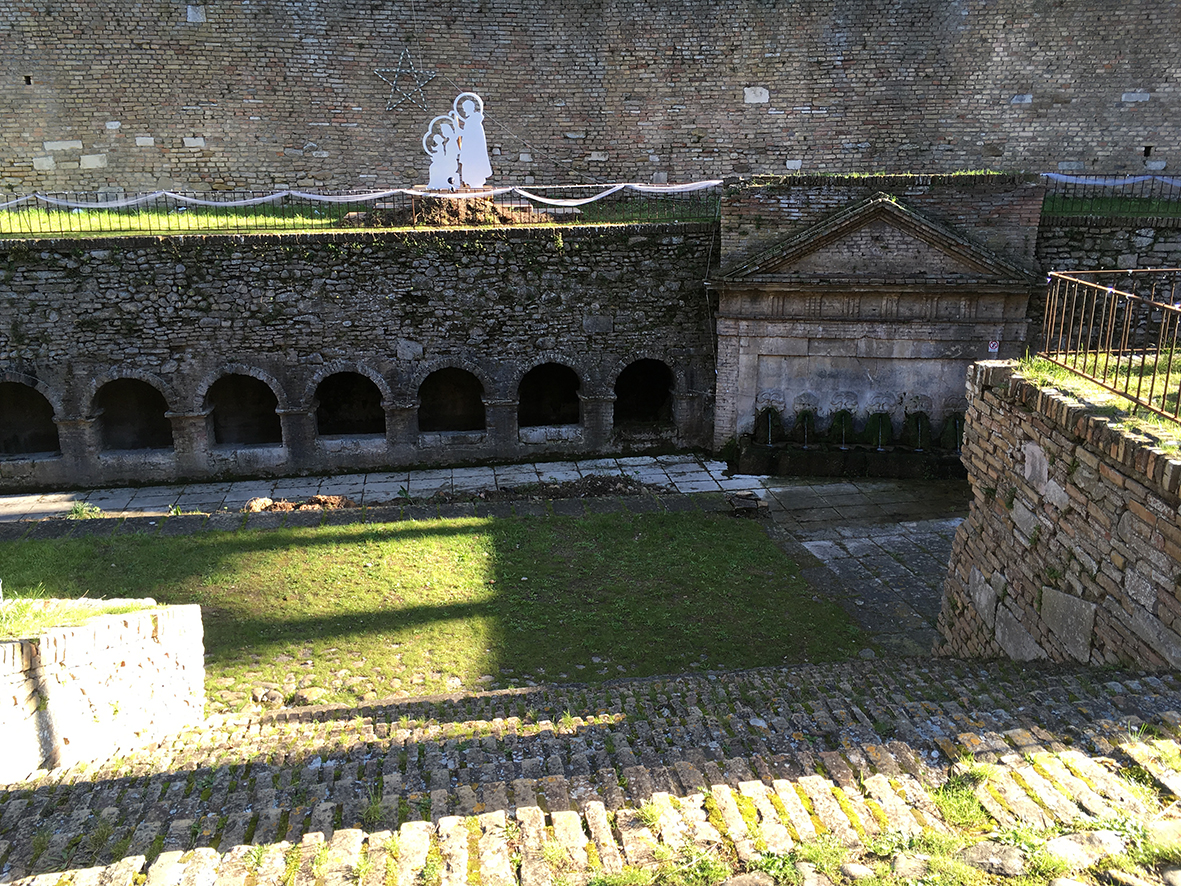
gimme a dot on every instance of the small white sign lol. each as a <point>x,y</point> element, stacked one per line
<point>994,347</point>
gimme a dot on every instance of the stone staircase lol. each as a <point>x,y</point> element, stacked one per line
<point>550,785</point>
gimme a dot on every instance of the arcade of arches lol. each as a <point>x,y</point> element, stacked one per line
<point>135,430</point>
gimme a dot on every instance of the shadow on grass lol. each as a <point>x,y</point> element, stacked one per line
<point>439,605</point>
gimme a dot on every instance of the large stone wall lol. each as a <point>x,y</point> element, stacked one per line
<point>78,694</point>
<point>1101,244</point>
<point>1072,547</point>
<point>180,313</point>
<point>230,95</point>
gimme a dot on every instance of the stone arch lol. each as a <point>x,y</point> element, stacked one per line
<point>210,378</point>
<point>243,410</point>
<point>492,385</point>
<point>347,403</point>
<point>451,399</point>
<point>644,392</point>
<point>53,395</point>
<point>548,395</point>
<point>338,366</point>
<point>116,373</point>
<point>26,418</point>
<point>132,415</point>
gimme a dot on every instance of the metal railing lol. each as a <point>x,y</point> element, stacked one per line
<point>1126,340</point>
<point>174,213</point>
<point>1133,196</point>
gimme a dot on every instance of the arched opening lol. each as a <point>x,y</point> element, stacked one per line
<point>132,416</point>
<point>644,393</point>
<point>243,411</point>
<point>26,421</point>
<point>348,403</point>
<point>548,395</point>
<point>451,400</point>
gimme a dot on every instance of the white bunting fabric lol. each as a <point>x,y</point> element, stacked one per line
<point>368,197</point>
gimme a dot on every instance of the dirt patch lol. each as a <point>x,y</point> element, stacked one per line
<point>315,503</point>
<point>586,487</point>
<point>436,212</point>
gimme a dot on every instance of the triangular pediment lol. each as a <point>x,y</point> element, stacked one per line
<point>878,241</point>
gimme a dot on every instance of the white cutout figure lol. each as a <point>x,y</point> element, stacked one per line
<point>468,112</point>
<point>441,142</point>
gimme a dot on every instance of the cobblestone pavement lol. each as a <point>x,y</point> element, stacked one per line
<point>549,784</point>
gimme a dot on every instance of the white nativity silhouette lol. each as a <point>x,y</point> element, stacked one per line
<point>457,146</point>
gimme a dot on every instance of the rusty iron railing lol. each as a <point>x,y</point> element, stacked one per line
<point>1121,330</point>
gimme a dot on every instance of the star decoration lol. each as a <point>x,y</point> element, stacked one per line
<point>409,93</point>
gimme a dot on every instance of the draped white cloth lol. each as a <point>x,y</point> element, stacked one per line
<point>482,194</point>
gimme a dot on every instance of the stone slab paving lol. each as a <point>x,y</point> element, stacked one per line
<point>533,786</point>
<point>682,473</point>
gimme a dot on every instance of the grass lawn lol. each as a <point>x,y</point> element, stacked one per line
<point>427,607</point>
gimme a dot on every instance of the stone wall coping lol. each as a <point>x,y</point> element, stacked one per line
<point>964,181</point>
<point>1136,453</point>
<point>366,236</point>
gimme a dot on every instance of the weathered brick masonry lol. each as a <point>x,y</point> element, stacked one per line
<point>232,95</point>
<point>1072,547</point>
<point>81,693</point>
<point>180,313</point>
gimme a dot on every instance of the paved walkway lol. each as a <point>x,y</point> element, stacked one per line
<point>555,784</point>
<point>879,547</point>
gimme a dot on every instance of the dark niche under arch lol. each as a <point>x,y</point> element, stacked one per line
<point>132,416</point>
<point>243,411</point>
<point>644,393</point>
<point>548,395</point>
<point>348,403</point>
<point>451,399</point>
<point>26,421</point>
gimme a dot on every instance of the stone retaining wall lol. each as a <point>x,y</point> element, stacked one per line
<point>178,314</point>
<point>77,694</point>
<point>1072,547</point>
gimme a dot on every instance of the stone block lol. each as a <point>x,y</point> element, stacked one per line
<point>1014,639</point>
<point>92,161</point>
<point>194,141</point>
<point>1071,620</point>
<point>755,95</point>
<point>984,597</point>
<point>67,145</point>
<point>1036,466</point>
<point>598,323</point>
<point>145,141</point>
<point>44,164</point>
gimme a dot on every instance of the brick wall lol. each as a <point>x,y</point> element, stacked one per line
<point>81,693</point>
<point>231,95</point>
<point>999,211</point>
<point>1072,547</point>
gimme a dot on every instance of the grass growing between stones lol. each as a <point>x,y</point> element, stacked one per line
<point>30,614</point>
<point>427,607</point>
<point>1124,414</point>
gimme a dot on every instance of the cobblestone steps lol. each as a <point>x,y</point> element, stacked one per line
<point>554,783</point>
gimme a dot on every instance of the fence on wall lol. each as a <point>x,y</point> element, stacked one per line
<point>1111,196</point>
<point>1120,330</point>
<point>111,213</point>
